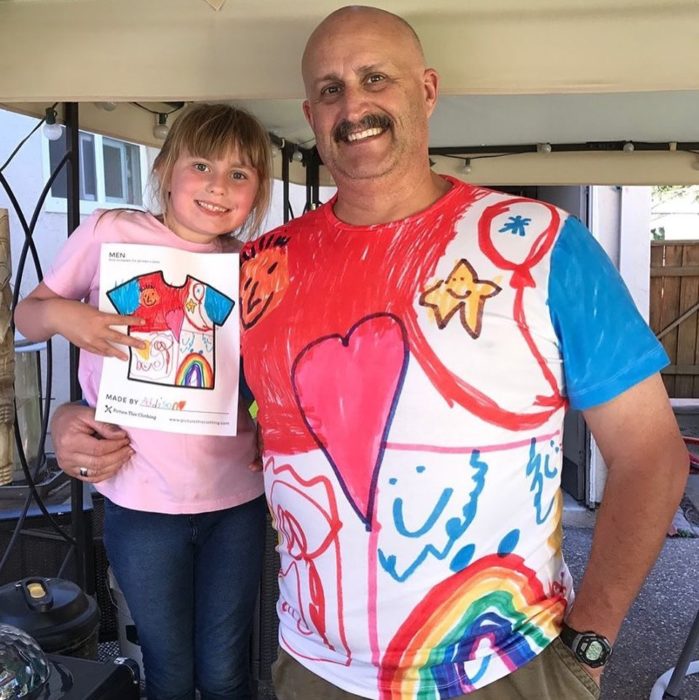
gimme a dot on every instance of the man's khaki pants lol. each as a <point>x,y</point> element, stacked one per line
<point>555,674</point>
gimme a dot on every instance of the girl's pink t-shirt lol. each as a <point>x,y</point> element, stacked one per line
<point>169,472</point>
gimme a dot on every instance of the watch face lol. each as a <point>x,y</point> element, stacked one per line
<point>593,650</point>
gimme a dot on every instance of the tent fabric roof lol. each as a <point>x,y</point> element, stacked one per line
<point>512,72</point>
<point>85,50</point>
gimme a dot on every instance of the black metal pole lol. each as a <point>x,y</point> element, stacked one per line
<point>73,218</point>
<point>313,170</point>
<point>78,528</point>
<point>308,164</point>
<point>285,180</point>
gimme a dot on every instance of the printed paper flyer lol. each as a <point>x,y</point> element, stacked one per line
<point>185,379</point>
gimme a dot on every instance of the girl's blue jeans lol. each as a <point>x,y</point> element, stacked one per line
<point>191,583</point>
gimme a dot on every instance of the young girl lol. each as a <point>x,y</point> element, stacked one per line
<point>184,519</point>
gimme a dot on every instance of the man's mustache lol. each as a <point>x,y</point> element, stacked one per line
<point>369,121</point>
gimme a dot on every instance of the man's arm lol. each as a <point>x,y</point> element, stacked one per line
<point>82,442</point>
<point>647,470</point>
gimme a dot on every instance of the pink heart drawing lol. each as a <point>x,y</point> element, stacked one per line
<point>174,320</point>
<point>347,388</point>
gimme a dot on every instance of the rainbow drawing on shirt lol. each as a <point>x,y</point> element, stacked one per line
<point>497,599</point>
<point>195,371</point>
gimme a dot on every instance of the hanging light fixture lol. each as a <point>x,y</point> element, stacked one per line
<point>467,166</point>
<point>161,128</point>
<point>52,131</point>
<point>278,148</point>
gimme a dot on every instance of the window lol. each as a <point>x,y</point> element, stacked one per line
<point>112,173</point>
<point>122,173</point>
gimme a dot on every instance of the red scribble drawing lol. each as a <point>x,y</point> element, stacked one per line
<point>264,278</point>
<point>351,277</point>
<point>308,524</point>
<point>521,275</point>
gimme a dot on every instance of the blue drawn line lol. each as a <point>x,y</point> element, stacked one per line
<point>481,671</point>
<point>429,523</point>
<point>534,469</point>
<point>516,224</point>
<point>454,527</point>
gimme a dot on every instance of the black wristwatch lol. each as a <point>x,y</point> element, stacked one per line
<point>590,648</point>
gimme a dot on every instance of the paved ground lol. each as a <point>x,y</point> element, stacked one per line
<point>657,625</point>
<point>658,622</point>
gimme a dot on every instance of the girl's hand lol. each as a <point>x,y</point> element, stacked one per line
<point>91,329</point>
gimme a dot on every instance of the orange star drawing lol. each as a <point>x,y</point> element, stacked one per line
<point>462,291</point>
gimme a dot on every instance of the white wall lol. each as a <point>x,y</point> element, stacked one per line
<point>25,178</point>
<point>605,218</point>
<point>634,244</point>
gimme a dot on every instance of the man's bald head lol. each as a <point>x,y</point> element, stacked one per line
<point>369,97</point>
<point>351,19</point>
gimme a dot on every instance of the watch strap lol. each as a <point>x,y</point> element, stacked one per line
<point>569,635</point>
<point>589,647</point>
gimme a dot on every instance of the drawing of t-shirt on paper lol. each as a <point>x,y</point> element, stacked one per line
<point>179,330</point>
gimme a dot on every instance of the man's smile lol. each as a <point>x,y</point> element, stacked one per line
<point>365,134</point>
<point>370,126</point>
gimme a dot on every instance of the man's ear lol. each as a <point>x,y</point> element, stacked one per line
<point>430,82</point>
<point>307,113</point>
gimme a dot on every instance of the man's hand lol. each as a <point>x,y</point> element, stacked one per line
<point>85,448</point>
<point>595,673</point>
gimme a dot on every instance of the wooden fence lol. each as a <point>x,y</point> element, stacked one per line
<point>674,312</point>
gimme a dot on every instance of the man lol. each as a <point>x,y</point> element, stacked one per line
<point>412,346</point>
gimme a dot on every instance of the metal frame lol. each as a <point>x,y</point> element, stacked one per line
<point>79,539</point>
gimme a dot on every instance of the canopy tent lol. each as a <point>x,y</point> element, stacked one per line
<point>589,72</point>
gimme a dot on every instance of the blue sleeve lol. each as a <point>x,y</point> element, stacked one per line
<point>606,345</point>
<point>125,298</point>
<point>218,306</point>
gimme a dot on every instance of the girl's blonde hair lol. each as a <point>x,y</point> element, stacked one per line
<point>212,131</point>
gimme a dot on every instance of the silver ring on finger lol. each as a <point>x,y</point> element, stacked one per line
<point>84,472</point>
